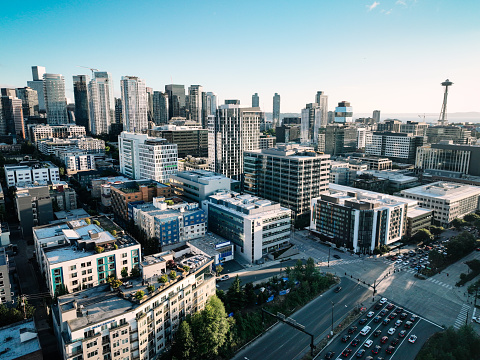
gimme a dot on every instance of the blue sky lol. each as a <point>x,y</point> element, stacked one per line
<point>388,55</point>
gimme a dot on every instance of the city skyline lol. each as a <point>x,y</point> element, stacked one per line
<point>386,55</point>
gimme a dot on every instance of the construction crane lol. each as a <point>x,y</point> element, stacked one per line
<point>86,67</point>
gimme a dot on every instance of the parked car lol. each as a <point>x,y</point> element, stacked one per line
<point>383,300</point>
<point>412,339</point>
<point>395,342</point>
<point>402,333</point>
<point>370,314</point>
<point>224,278</point>
<point>391,331</point>
<point>377,319</point>
<point>355,342</point>
<point>362,321</point>
<point>368,343</point>
<point>345,338</point>
<point>330,355</point>
<point>377,333</point>
<point>384,339</point>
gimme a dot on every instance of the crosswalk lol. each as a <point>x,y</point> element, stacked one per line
<point>339,262</point>
<point>462,316</point>
<point>446,286</point>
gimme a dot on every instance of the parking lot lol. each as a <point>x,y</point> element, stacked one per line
<point>382,341</point>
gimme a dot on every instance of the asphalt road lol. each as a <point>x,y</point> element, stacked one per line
<point>285,342</point>
<point>404,350</point>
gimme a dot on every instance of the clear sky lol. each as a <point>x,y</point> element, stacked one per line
<point>390,55</point>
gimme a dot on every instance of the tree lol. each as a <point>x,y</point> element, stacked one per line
<point>113,232</point>
<point>436,230</point>
<point>99,249</point>
<point>88,221</point>
<point>124,272</point>
<point>150,289</point>
<point>250,296</point>
<point>471,218</point>
<point>184,346</point>
<point>458,223</point>
<point>235,295</point>
<point>135,272</point>
<point>61,290</point>
<point>422,236</point>
<point>219,269</point>
<point>186,268</point>
<point>115,284</point>
<point>139,294</point>
<point>172,275</point>
<point>310,268</point>
<point>210,328</point>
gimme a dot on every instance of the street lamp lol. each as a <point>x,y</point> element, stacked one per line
<point>328,263</point>
<point>331,332</point>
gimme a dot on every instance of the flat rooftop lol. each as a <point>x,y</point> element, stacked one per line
<point>417,211</point>
<point>11,344</point>
<point>198,175</point>
<point>444,190</point>
<point>208,243</point>
<point>343,193</point>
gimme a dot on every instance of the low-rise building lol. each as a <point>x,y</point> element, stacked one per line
<point>190,140</point>
<point>80,254</point>
<point>447,200</point>
<point>267,142</point>
<point>373,163</point>
<point>191,163</point>
<point>89,145</point>
<point>41,131</point>
<point>256,226</point>
<point>218,248</point>
<point>400,147</point>
<point>357,219</point>
<point>76,161</point>
<point>19,341</point>
<point>106,180</point>
<point>64,198</point>
<point>30,172</point>
<point>5,287</point>
<point>197,185</point>
<point>133,322</point>
<point>418,218</point>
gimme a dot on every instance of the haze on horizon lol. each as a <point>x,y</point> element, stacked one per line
<point>387,55</point>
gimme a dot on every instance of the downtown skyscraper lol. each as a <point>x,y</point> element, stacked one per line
<point>37,85</point>
<point>134,104</point>
<point>176,100</point>
<point>11,114</point>
<point>80,92</point>
<point>55,100</point>
<point>276,110</point>
<point>29,99</point>
<point>102,103</point>
<point>322,100</point>
<point>233,131</point>
<point>209,107</point>
<point>195,103</point>
<point>255,100</point>
<point>160,108</point>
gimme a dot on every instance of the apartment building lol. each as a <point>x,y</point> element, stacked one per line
<point>42,131</point>
<point>190,140</point>
<point>52,146</point>
<point>288,174</point>
<point>96,323</point>
<point>357,219</point>
<point>447,200</point>
<point>30,172</point>
<point>135,191</point>
<point>255,226</point>
<point>76,161</point>
<point>80,254</point>
<point>5,287</point>
<point>197,185</point>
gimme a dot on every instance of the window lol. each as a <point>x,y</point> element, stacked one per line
<point>73,267</point>
<point>93,353</point>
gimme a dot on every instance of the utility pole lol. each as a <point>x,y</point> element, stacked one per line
<point>333,305</point>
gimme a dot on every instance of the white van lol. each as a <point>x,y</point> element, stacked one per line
<point>365,330</point>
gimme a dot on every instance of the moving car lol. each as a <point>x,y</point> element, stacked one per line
<point>346,352</point>
<point>391,331</point>
<point>368,343</point>
<point>360,353</point>
<point>355,342</point>
<point>345,338</point>
<point>224,278</point>
<point>362,321</point>
<point>329,355</point>
<point>412,339</point>
<point>370,314</point>
<point>395,342</point>
<point>336,256</point>
<point>390,350</point>
<point>365,330</point>
<point>383,300</point>
<point>377,319</point>
<point>337,289</point>
<point>376,349</point>
<point>352,329</point>
<point>384,339</point>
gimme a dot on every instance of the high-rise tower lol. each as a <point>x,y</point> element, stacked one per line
<point>276,110</point>
<point>442,120</point>
<point>195,103</point>
<point>255,100</point>
<point>343,113</point>
<point>37,85</point>
<point>102,103</point>
<point>209,107</point>
<point>176,100</point>
<point>322,100</point>
<point>80,92</point>
<point>160,107</point>
<point>134,104</point>
<point>55,100</point>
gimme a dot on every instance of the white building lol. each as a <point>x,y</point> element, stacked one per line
<point>98,323</point>
<point>101,103</point>
<point>55,100</point>
<point>40,131</point>
<point>197,185</point>
<point>400,147</point>
<point>256,226</point>
<point>31,171</point>
<point>447,200</point>
<point>144,157</point>
<point>76,161</point>
<point>312,119</point>
<point>53,146</point>
<point>233,131</point>
<point>134,104</point>
<point>68,254</point>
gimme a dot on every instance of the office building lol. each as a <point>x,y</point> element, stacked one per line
<point>76,161</point>
<point>119,325</point>
<point>80,92</point>
<point>266,142</point>
<point>29,99</point>
<point>418,218</point>
<point>135,191</point>
<point>446,156</point>
<point>81,254</point>
<point>197,185</point>
<point>292,120</point>
<point>396,180</point>
<point>12,115</point>
<point>102,103</point>
<point>447,200</point>
<point>287,133</point>
<point>53,146</point>
<point>341,173</point>
<point>5,287</point>
<point>391,125</point>
<point>144,157</point>
<point>192,163</point>
<point>233,131</point>
<point>134,104</point>
<point>322,100</point>
<point>37,85</point>
<point>55,100</point>
<point>456,134</point>
<point>359,220</point>
<point>343,113</point>
<point>30,172</point>
<point>276,110</point>
<point>376,116</point>
<point>190,140</point>
<point>288,174</point>
<point>399,147</point>
<point>372,162</point>
<point>414,127</point>
<point>311,122</point>
<point>118,111</point>
<point>170,225</point>
<point>176,100</point>
<point>255,100</point>
<point>364,136</point>
<point>255,226</point>
<point>340,139</point>
<point>64,198</point>
<point>19,341</point>
<point>34,206</point>
<point>97,183</point>
<point>195,103</point>
<point>160,108</point>
<point>209,107</point>
<point>149,103</point>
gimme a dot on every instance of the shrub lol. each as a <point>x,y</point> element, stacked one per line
<point>163,279</point>
<point>96,222</point>
<point>139,295</point>
<point>88,221</point>
<point>186,268</point>
<point>173,275</point>
<point>150,288</point>
<point>124,272</point>
<point>113,232</point>
<point>99,249</point>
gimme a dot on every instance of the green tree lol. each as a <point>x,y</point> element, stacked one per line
<point>61,290</point>
<point>422,236</point>
<point>210,328</point>
<point>235,295</point>
<point>458,223</point>
<point>150,289</point>
<point>186,268</point>
<point>310,269</point>
<point>184,346</point>
<point>219,269</point>
<point>115,284</point>
<point>113,232</point>
<point>139,294</point>
<point>163,279</point>
<point>298,270</point>
<point>135,272</point>
<point>471,218</point>
<point>124,272</point>
<point>436,230</point>
<point>172,275</point>
<point>250,296</point>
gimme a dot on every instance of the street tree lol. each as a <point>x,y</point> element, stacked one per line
<point>184,346</point>
<point>422,236</point>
